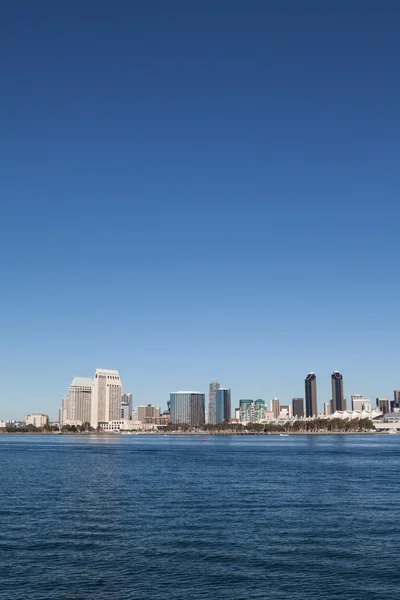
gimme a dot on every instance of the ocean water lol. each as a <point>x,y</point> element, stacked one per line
<point>147,517</point>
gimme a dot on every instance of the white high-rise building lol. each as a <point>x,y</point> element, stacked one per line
<point>358,402</point>
<point>63,411</point>
<point>80,395</point>
<point>106,397</point>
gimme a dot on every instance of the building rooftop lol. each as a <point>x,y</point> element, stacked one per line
<point>81,381</point>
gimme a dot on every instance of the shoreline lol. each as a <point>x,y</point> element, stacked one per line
<point>194,434</point>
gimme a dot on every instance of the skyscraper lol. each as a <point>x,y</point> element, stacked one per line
<point>188,407</point>
<point>383,404</point>
<point>259,410</point>
<point>246,409</point>
<point>63,411</point>
<point>327,408</point>
<point>126,405</point>
<point>298,407</point>
<point>80,396</point>
<point>106,397</point>
<point>212,415</point>
<point>222,405</point>
<point>275,407</point>
<point>311,395</point>
<point>396,403</point>
<point>337,392</point>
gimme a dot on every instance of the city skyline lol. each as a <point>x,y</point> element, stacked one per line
<point>81,384</point>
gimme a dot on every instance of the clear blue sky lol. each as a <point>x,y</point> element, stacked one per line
<point>198,190</point>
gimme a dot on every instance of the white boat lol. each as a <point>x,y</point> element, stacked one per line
<point>283,435</point>
<point>392,430</point>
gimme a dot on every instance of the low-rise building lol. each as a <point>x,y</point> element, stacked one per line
<point>8,423</point>
<point>37,419</point>
<point>127,425</point>
<point>389,421</point>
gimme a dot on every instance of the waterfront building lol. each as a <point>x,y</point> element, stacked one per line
<point>311,395</point>
<point>222,405</point>
<point>298,407</point>
<point>389,421</point>
<point>63,411</point>
<point>117,425</point>
<point>212,408</point>
<point>246,411</point>
<point>327,408</point>
<point>251,411</point>
<point>338,400</point>
<point>275,407</point>
<point>259,410</point>
<point>349,414</point>
<point>37,419</point>
<point>188,407</point>
<point>126,405</point>
<point>147,411</point>
<point>163,420</point>
<point>80,397</point>
<point>106,397</point>
<point>383,404</point>
<point>11,424</point>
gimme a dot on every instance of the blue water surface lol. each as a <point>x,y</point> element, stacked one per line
<point>147,517</point>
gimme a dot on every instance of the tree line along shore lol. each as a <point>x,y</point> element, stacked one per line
<point>295,427</point>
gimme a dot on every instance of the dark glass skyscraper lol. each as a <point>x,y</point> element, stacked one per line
<point>337,391</point>
<point>222,405</point>
<point>311,395</point>
<point>298,407</point>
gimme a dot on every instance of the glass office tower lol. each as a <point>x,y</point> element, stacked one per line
<point>222,405</point>
<point>311,395</point>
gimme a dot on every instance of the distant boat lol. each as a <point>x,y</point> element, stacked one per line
<point>284,435</point>
<point>392,430</point>
<point>204,439</point>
